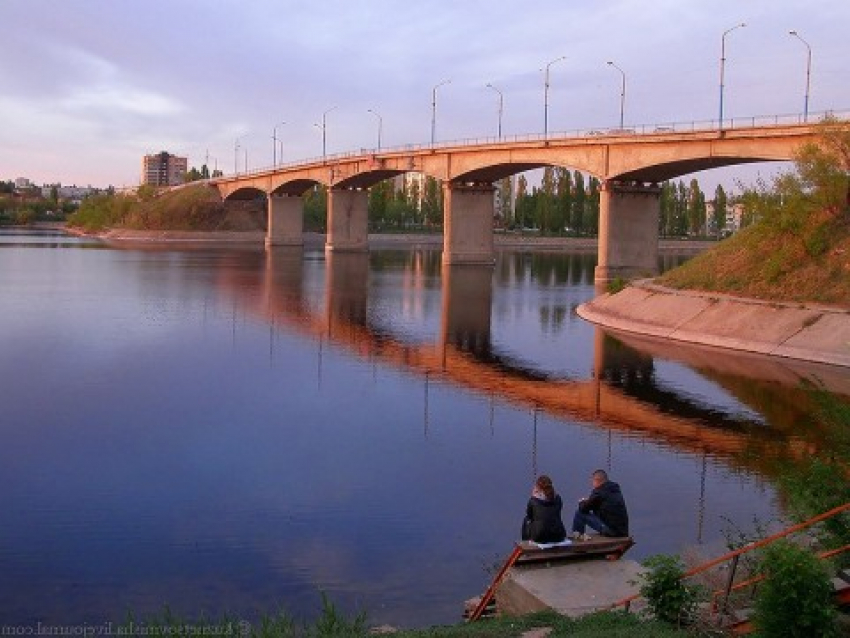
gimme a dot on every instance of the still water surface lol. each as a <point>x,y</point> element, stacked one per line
<point>229,430</point>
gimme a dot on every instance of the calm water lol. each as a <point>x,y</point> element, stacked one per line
<point>229,430</point>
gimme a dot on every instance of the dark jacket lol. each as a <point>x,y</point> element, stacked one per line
<point>606,501</point>
<point>543,522</point>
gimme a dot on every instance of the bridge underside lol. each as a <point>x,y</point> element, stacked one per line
<point>664,172</point>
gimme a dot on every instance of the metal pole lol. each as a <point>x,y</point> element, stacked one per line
<point>808,74</point>
<point>274,144</point>
<point>380,125</point>
<point>622,93</point>
<point>501,107</point>
<point>546,96</point>
<point>434,109</point>
<point>324,134</point>
<point>722,68</point>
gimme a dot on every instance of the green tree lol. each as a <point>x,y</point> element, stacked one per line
<point>720,202</point>
<point>564,196</point>
<point>505,187</point>
<point>545,204</point>
<point>522,202</point>
<point>316,208</point>
<point>696,209</point>
<point>432,202</point>
<point>379,196</point>
<point>796,598</point>
<point>579,203</point>
<point>593,197</point>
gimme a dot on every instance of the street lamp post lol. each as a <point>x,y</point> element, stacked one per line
<point>808,73</point>
<point>274,144</point>
<point>622,93</point>
<point>546,96</point>
<point>501,107</point>
<point>236,154</point>
<point>324,128</point>
<point>723,67</point>
<point>380,125</point>
<point>434,109</point>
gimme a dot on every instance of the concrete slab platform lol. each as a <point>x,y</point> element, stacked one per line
<point>572,588</point>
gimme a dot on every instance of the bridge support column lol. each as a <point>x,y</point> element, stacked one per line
<point>348,220</point>
<point>468,226</point>
<point>285,221</point>
<point>628,231</point>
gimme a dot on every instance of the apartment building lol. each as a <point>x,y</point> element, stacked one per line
<point>163,169</point>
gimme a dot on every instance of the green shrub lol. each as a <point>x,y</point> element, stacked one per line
<point>796,597</point>
<point>668,597</point>
<point>616,285</point>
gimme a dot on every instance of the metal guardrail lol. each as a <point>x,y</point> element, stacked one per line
<point>589,135</point>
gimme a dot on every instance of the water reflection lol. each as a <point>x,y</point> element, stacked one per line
<point>233,429</point>
<point>624,393</point>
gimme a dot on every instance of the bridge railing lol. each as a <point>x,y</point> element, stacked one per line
<point>589,135</point>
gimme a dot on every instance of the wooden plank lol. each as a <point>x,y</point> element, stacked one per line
<point>596,547</point>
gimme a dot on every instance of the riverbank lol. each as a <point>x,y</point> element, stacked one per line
<point>501,241</point>
<point>806,332</point>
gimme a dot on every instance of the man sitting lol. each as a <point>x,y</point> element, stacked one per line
<point>604,510</point>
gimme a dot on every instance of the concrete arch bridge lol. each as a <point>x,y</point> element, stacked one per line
<point>630,166</point>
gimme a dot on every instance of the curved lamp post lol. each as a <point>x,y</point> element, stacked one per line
<point>434,108</point>
<point>324,127</point>
<point>380,124</point>
<point>546,96</point>
<point>274,144</point>
<point>622,92</point>
<point>808,73</point>
<point>501,107</point>
<point>723,66</point>
<point>236,155</point>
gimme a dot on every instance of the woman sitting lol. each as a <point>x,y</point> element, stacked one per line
<point>543,522</point>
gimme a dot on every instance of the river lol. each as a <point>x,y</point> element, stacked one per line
<point>230,430</point>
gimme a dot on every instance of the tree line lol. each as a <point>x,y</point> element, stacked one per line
<point>565,203</point>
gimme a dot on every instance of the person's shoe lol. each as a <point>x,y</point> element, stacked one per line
<point>579,536</point>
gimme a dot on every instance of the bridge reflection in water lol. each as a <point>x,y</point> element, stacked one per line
<point>623,395</point>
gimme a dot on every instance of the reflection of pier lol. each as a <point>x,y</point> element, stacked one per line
<point>623,394</point>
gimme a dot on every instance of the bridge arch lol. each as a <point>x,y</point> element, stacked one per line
<point>295,187</point>
<point>243,193</point>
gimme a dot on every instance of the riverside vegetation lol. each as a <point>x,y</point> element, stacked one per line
<point>797,247</point>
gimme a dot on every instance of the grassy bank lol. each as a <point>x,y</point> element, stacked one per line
<point>767,262</point>
<point>331,623</point>
<point>192,208</point>
<point>798,246</point>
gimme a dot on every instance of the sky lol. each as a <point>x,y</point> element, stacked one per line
<point>90,86</point>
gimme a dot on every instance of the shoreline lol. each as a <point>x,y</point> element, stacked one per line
<point>805,332</point>
<point>501,241</point>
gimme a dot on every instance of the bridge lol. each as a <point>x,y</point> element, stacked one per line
<point>629,163</point>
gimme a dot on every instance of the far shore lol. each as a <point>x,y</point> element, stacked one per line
<point>508,241</point>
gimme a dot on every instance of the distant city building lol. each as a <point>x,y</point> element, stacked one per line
<point>163,169</point>
<point>74,194</point>
<point>22,182</point>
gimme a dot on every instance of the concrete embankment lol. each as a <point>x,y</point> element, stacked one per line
<point>806,332</point>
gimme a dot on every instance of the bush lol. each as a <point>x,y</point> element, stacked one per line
<point>669,599</point>
<point>796,597</point>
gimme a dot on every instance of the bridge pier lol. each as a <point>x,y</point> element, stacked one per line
<point>628,231</point>
<point>468,225</point>
<point>348,220</point>
<point>285,221</point>
<point>467,305</point>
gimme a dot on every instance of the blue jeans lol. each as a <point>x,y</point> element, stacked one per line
<point>581,520</point>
